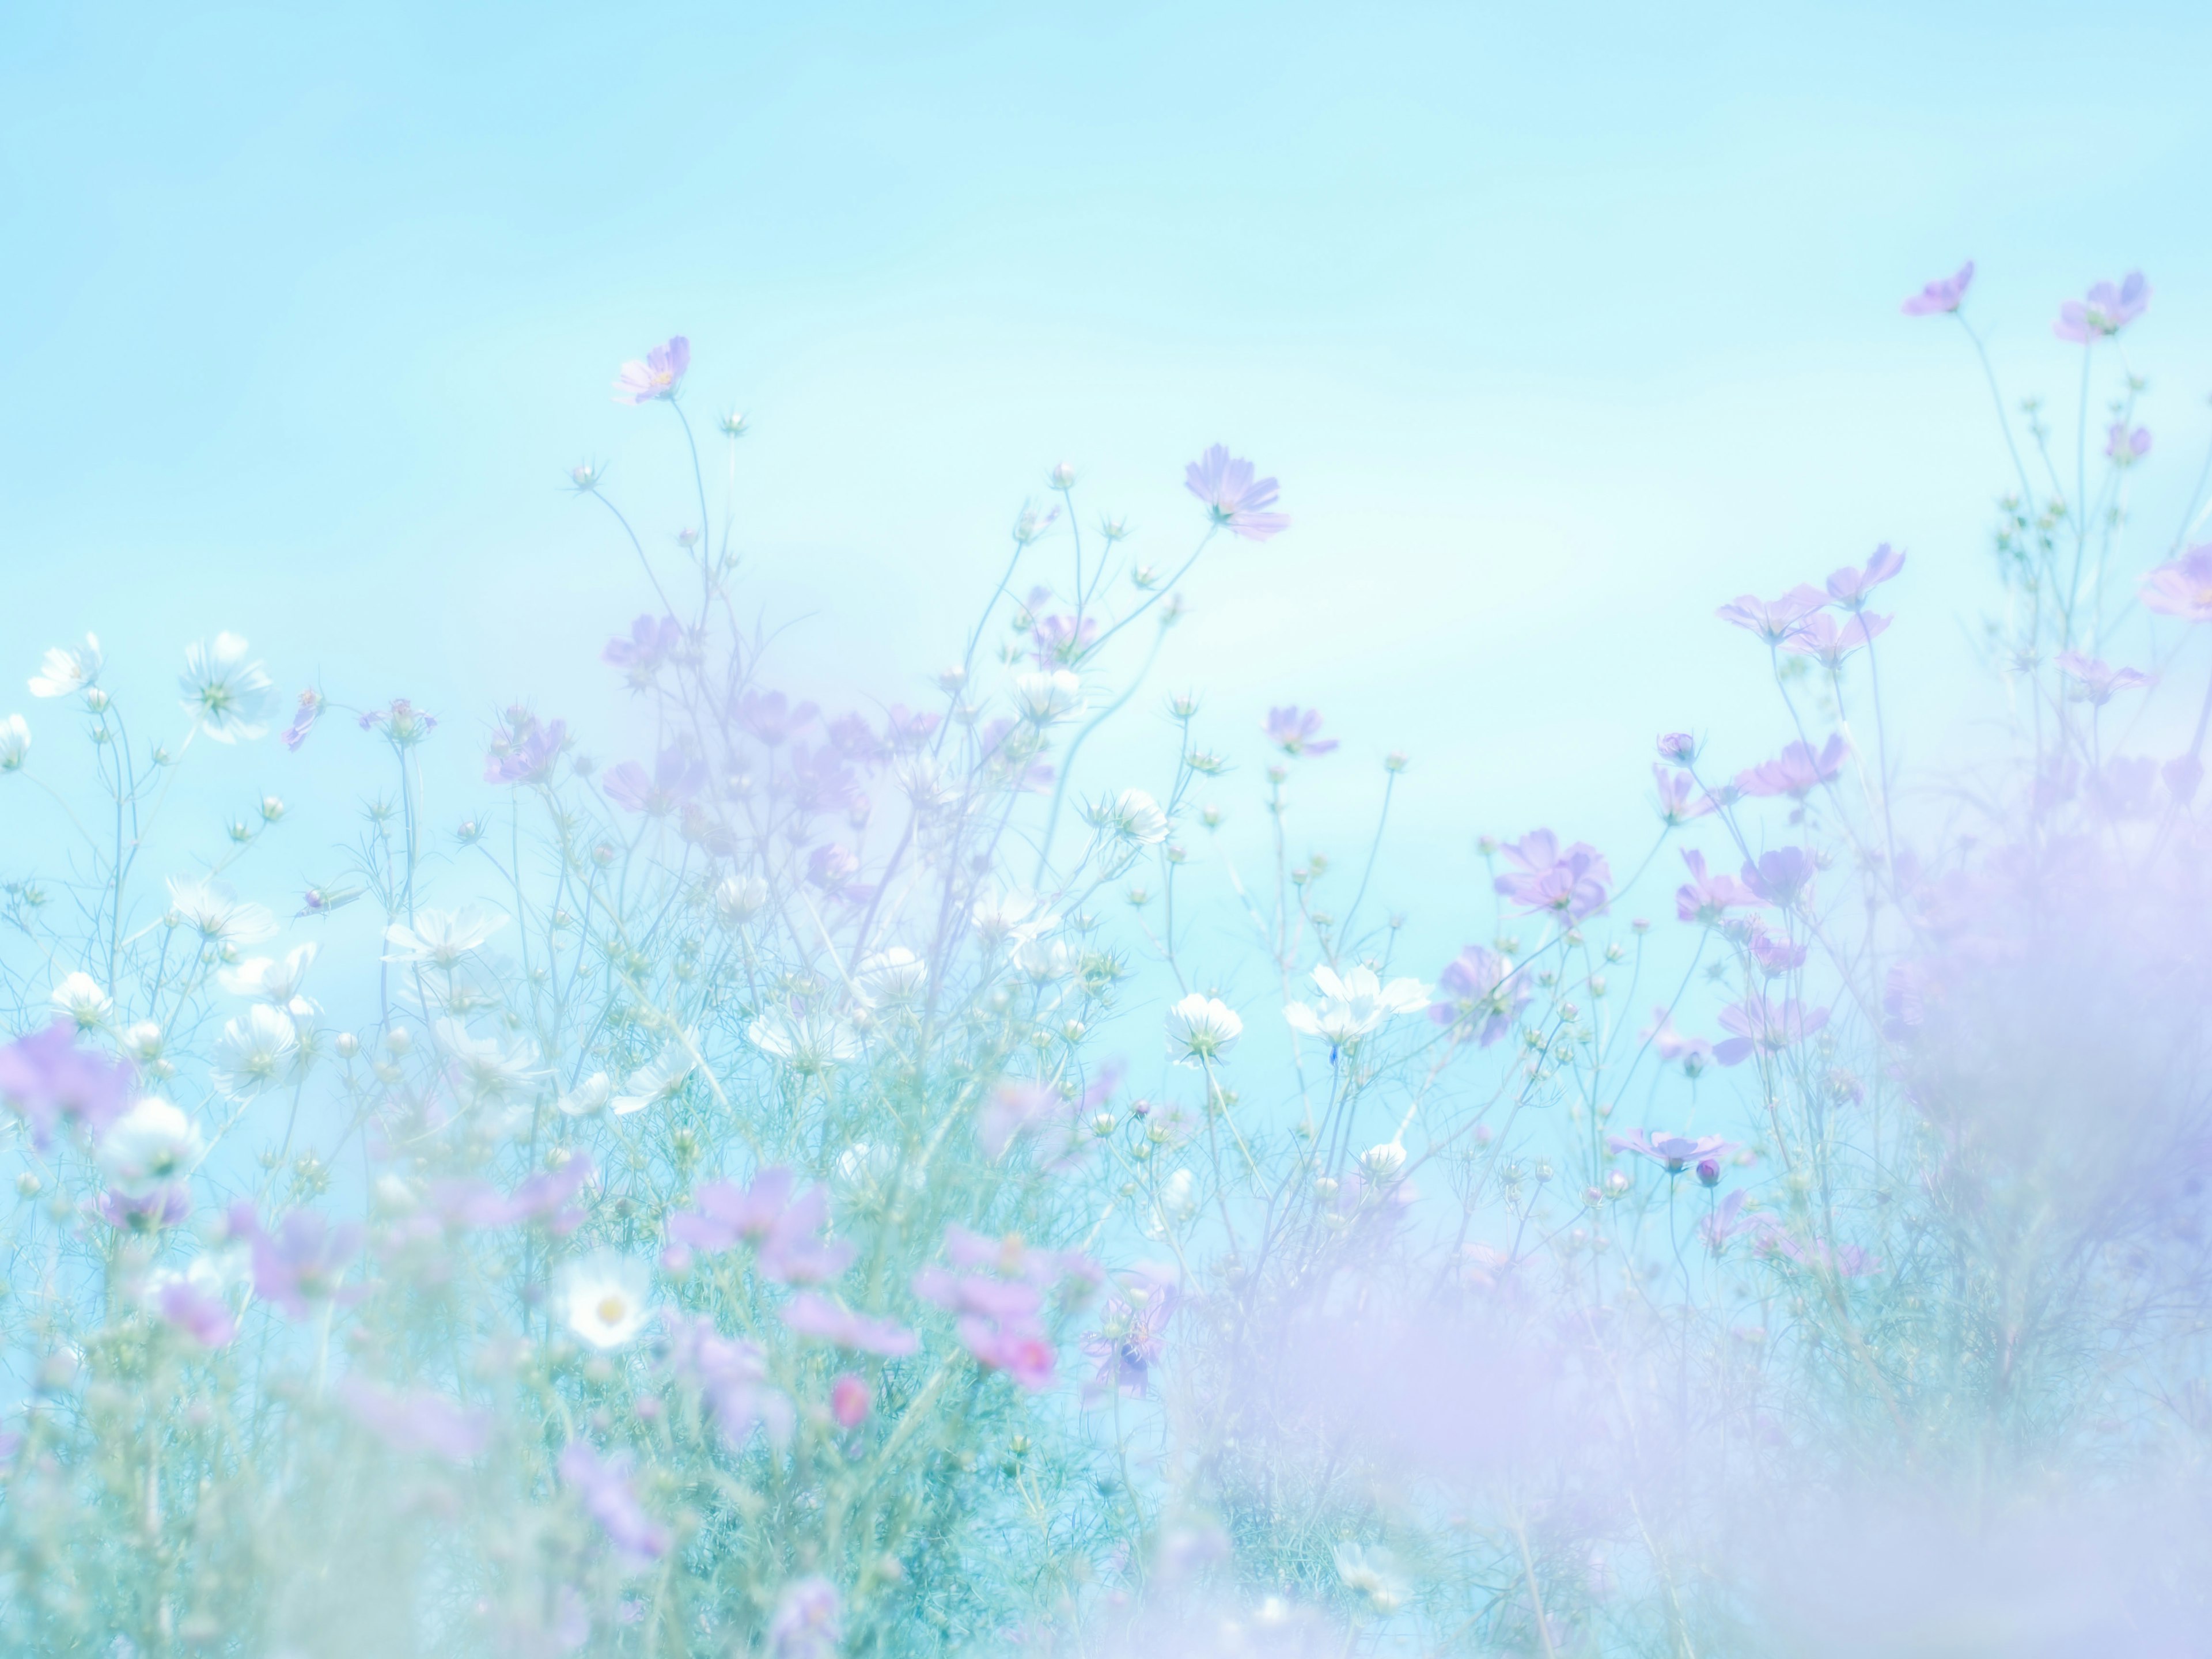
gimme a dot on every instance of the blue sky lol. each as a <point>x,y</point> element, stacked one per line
<point>1558,327</point>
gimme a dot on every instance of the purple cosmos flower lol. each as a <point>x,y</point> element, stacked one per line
<point>46,1079</point>
<point>1481,995</point>
<point>1819,636</point>
<point>651,641</point>
<point>2097,681</point>
<point>525,750</point>
<point>772,717</point>
<point>418,1420</point>
<point>907,729</point>
<point>676,778</point>
<point>199,1313</point>
<point>1706,898</point>
<point>831,868</point>
<point>302,1262</point>
<point>1728,1221</point>
<point>2105,310</point>
<point>1781,878</point>
<point>1942,294</point>
<point>731,1375</point>
<point>854,739</point>
<point>1695,1052</point>
<point>817,1316</point>
<point>1295,730</point>
<point>1131,1335</point>
<point>2184,587</point>
<point>1233,496</point>
<point>1570,883</point>
<point>1680,798</point>
<point>1775,956</point>
<point>1670,1151</point>
<point>166,1205</point>
<point>658,376</point>
<point>1057,640</point>
<point>1796,772</point>
<point>1678,748</point>
<point>403,723</point>
<point>603,1484</point>
<point>1766,1028</point>
<point>806,1623</point>
<point>465,1204</point>
<point>2123,448</point>
<point>303,720</point>
<point>1773,620</point>
<point>781,1228</point>
<point>1850,587</point>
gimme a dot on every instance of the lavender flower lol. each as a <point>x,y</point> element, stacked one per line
<point>806,1624</point>
<point>676,778</point>
<point>730,1374</point>
<point>2123,446</point>
<point>196,1311</point>
<point>653,640</point>
<point>1850,587</point>
<point>1943,295</point>
<point>303,720</point>
<point>2105,310</point>
<point>46,1079</point>
<point>1773,620</point>
<point>1706,898</point>
<point>771,717</point>
<point>1670,1151</point>
<point>1570,883</point>
<point>1236,499</point>
<point>658,376</point>
<point>1669,1044</point>
<point>1480,995</point>
<point>816,1316</point>
<point>1796,772</point>
<point>1819,637</point>
<point>1780,877</point>
<point>2096,681</point>
<point>1680,798</point>
<point>2182,588</point>
<point>301,1263</point>
<point>1766,1028</point>
<point>1296,730</point>
<point>603,1486</point>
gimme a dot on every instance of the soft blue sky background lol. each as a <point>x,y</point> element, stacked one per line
<point>1558,325</point>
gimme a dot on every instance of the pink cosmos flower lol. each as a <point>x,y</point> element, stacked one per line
<point>1706,898</point>
<point>302,1262</point>
<point>603,1485</point>
<point>2123,448</point>
<point>167,1205</point>
<point>46,1078</point>
<point>2182,588</point>
<point>676,778</point>
<point>1572,883</point>
<point>1796,772</point>
<point>772,717</point>
<point>1773,620</point>
<point>1680,798</point>
<point>731,1375</point>
<point>525,750</point>
<point>199,1313</point>
<point>1480,995</point>
<point>816,1316</point>
<point>2097,681</point>
<point>1669,1044</point>
<point>850,1401</point>
<point>1819,636</point>
<point>1296,730</point>
<point>1942,294</point>
<point>1233,496</point>
<point>658,376</point>
<point>653,640</point>
<point>2105,310</point>
<point>1670,1151</point>
<point>781,1228</point>
<point>1850,587</point>
<point>1764,1027</point>
<point>1780,877</point>
<point>418,1420</point>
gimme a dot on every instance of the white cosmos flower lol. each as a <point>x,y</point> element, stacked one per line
<point>739,899</point>
<point>1177,1205</point>
<point>809,1043</point>
<point>1353,1004</point>
<point>1044,697</point>
<point>276,983</point>
<point>1041,961</point>
<point>1016,917</point>
<point>602,1297</point>
<point>890,978</point>
<point>15,744</point>
<point>588,1097</point>
<point>1382,1162</point>
<point>1133,816</point>
<point>217,914</point>
<point>655,1081</point>
<point>485,1068</point>
<point>1201,1027</point>
<point>67,669</point>
<point>80,997</point>
<point>151,1144</point>
<point>225,693</point>
<point>253,1051</point>
<point>143,1042</point>
<point>922,781</point>
<point>441,938</point>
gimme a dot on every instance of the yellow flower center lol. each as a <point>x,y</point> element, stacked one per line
<point>611,1309</point>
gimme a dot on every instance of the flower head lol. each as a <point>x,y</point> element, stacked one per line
<point>254,1051</point>
<point>602,1297</point>
<point>67,669</point>
<point>302,1262</point>
<point>1821,637</point>
<point>657,1081</point>
<point>2183,588</point>
<point>1671,1152</point>
<point>1480,993</point>
<point>813,1314</point>
<point>226,694</point>
<point>1773,620</point>
<point>2105,310</point>
<point>81,999</point>
<point>1202,1027</point>
<point>218,915</point>
<point>1796,772</point>
<point>2096,681</point>
<point>602,1485</point>
<point>1851,586</point>
<point>2125,445</point>
<point>1764,1027</point>
<point>1572,883</point>
<point>675,779</point>
<point>1236,499</point>
<point>1944,293</point>
<point>418,1420</point>
<point>149,1146</point>
<point>1353,1003</point>
<point>658,376</point>
<point>439,939</point>
<point>806,1623</point>
<point>1296,731</point>
<point>46,1079</point>
<point>14,743</point>
<point>1132,817</point>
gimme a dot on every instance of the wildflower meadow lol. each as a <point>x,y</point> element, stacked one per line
<point>768,1177</point>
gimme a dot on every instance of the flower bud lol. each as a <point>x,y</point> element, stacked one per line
<point>1709,1172</point>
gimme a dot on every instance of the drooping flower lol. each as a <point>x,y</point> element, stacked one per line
<point>1821,637</point>
<point>417,1420</point>
<point>603,1485</point>
<point>1353,1003</point>
<point>2096,681</point>
<point>254,1051</point>
<point>149,1146</point>
<point>1774,620</point>
<point>602,1297</point>
<point>1796,772</point>
<point>811,1314</point>
<point>1943,295</point>
<point>226,694</point>
<point>676,778</point>
<point>1764,1027</point>
<point>653,640</point>
<point>2124,446</point>
<point>1481,995</point>
<point>46,1079</point>
<point>2182,587</point>
<point>439,939</point>
<point>658,376</point>
<point>1670,1151</point>
<point>2105,310</point>
<point>1296,731</point>
<point>1851,586</point>
<point>1201,1028</point>
<point>806,1624</point>
<point>1234,498</point>
<point>67,669</point>
<point>1570,883</point>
